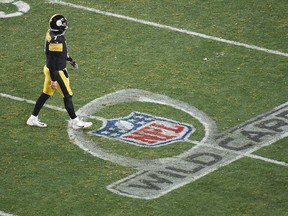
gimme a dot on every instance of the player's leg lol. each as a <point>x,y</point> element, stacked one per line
<point>33,120</point>
<point>65,90</point>
<point>45,95</point>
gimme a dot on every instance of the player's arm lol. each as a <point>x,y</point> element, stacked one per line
<point>51,64</point>
<point>72,62</point>
<point>55,50</point>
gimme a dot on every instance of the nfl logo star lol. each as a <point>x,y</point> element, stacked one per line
<point>144,130</point>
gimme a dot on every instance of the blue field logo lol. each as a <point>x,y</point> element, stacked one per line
<point>144,130</point>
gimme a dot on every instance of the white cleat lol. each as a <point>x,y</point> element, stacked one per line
<point>35,122</point>
<point>79,124</point>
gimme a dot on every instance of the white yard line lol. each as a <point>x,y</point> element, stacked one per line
<point>5,214</point>
<point>30,101</point>
<point>102,119</point>
<point>184,31</point>
<point>241,154</point>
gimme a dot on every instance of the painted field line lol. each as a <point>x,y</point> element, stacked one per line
<point>241,154</point>
<point>45,105</point>
<point>102,119</point>
<point>30,101</point>
<point>5,214</point>
<point>231,42</point>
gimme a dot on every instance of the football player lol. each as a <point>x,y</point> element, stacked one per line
<point>56,73</point>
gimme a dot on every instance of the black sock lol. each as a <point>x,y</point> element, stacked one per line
<point>39,103</point>
<point>69,107</point>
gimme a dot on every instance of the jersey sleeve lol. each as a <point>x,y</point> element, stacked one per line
<point>50,62</point>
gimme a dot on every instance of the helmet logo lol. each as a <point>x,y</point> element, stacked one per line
<point>59,23</point>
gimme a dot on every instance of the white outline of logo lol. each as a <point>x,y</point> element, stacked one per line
<point>22,7</point>
<point>156,177</point>
<point>130,95</point>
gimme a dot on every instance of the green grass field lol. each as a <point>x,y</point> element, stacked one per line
<point>44,173</point>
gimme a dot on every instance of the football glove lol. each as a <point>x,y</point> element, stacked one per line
<point>74,65</point>
<point>72,62</point>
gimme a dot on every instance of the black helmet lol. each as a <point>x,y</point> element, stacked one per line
<point>58,23</point>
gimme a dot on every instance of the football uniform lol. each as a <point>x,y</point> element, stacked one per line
<point>55,70</point>
<point>56,61</point>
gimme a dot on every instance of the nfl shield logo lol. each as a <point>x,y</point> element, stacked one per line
<point>144,130</point>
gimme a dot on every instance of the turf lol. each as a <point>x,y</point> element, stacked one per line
<point>44,173</point>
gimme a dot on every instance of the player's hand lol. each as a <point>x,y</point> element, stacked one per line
<point>74,65</point>
<point>53,84</point>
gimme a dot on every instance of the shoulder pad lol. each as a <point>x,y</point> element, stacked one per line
<point>48,37</point>
<point>52,38</point>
